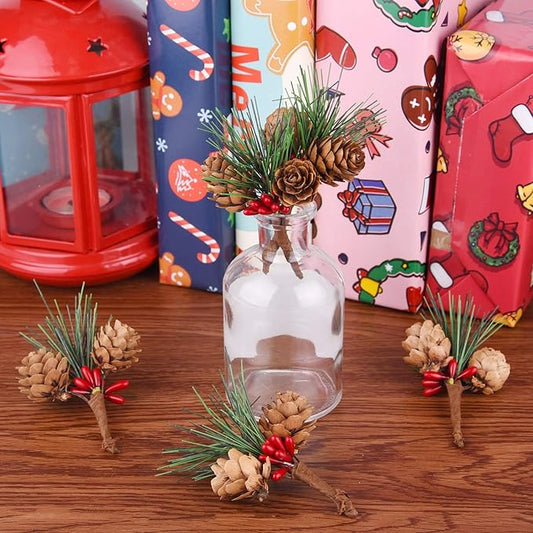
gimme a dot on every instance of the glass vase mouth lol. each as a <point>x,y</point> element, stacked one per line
<point>301,213</point>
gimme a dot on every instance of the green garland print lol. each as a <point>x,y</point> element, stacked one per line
<point>422,20</point>
<point>368,285</point>
<point>475,231</point>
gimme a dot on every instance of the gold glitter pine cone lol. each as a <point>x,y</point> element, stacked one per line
<point>240,477</point>
<point>44,376</point>
<point>229,196</point>
<point>492,370</point>
<point>116,347</point>
<point>427,347</point>
<point>287,415</point>
<point>336,159</point>
<point>296,182</point>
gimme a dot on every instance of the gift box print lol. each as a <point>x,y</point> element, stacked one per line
<point>190,72</point>
<point>369,206</point>
<point>482,231</point>
<point>389,50</point>
<point>271,40</point>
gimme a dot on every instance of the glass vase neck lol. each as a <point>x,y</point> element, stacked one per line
<point>296,226</point>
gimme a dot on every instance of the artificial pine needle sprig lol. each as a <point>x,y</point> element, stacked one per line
<point>73,359</point>
<point>269,168</point>
<point>446,349</point>
<point>318,112</point>
<point>466,333</point>
<point>241,455</point>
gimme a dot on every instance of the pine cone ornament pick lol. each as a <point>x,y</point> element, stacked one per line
<point>336,159</point>
<point>240,477</point>
<point>116,347</point>
<point>287,415</point>
<point>225,188</point>
<point>427,346</point>
<point>296,182</point>
<point>44,376</point>
<point>492,370</point>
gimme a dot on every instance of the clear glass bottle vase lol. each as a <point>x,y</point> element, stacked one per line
<point>284,314</point>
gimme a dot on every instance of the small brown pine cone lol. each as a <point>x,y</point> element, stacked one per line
<point>223,184</point>
<point>336,159</point>
<point>116,347</point>
<point>279,119</point>
<point>296,182</point>
<point>427,346</point>
<point>492,370</point>
<point>44,376</point>
<point>240,477</point>
<point>287,415</point>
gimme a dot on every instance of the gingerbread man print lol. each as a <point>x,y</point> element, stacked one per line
<point>418,101</point>
<point>290,23</point>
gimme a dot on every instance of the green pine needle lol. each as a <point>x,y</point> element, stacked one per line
<point>71,336</point>
<point>318,111</point>
<point>227,423</point>
<point>466,333</point>
<point>242,142</point>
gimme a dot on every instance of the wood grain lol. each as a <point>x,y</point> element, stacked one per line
<point>385,444</point>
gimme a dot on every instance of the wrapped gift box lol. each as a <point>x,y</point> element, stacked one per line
<point>387,51</point>
<point>190,72</point>
<point>368,205</point>
<point>482,230</point>
<point>270,42</point>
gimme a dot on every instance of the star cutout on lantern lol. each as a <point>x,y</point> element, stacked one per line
<point>96,46</point>
<point>2,43</point>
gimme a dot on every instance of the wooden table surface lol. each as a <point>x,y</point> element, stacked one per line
<point>385,444</point>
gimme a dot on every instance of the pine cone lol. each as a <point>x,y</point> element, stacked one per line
<point>279,119</point>
<point>229,196</point>
<point>492,370</point>
<point>116,347</point>
<point>45,376</point>
<point>427,346</point>
<point>240,477</point>
<point>287,415</point>
<point>296,182</point>
<point>336,159</point>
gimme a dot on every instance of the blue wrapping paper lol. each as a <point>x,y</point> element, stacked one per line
<point>190,70</point>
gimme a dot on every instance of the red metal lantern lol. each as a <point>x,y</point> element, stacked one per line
<point>78,198</point>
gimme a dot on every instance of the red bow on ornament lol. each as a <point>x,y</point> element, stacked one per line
<point>496,235</point>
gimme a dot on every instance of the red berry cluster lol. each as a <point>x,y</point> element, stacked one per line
<point>265,205</point>
<point>92,380</point>
<point>280,452</point>
<point>433,381</point>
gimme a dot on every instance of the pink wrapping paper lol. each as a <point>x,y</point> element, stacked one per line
<point>386,51</point>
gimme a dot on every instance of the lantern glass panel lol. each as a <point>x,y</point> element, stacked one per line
<point>122,161</point>
<point>34,172</point>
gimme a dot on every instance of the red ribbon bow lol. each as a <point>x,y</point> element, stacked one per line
<point>498,234</point>
<point>348,198</point>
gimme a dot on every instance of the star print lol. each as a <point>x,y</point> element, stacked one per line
<point>96,46</point>
<point>388,267</point>
<point>2,43</point>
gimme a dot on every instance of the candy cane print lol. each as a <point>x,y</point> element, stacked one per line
<point>214,248</point>
<point>204,57</point>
